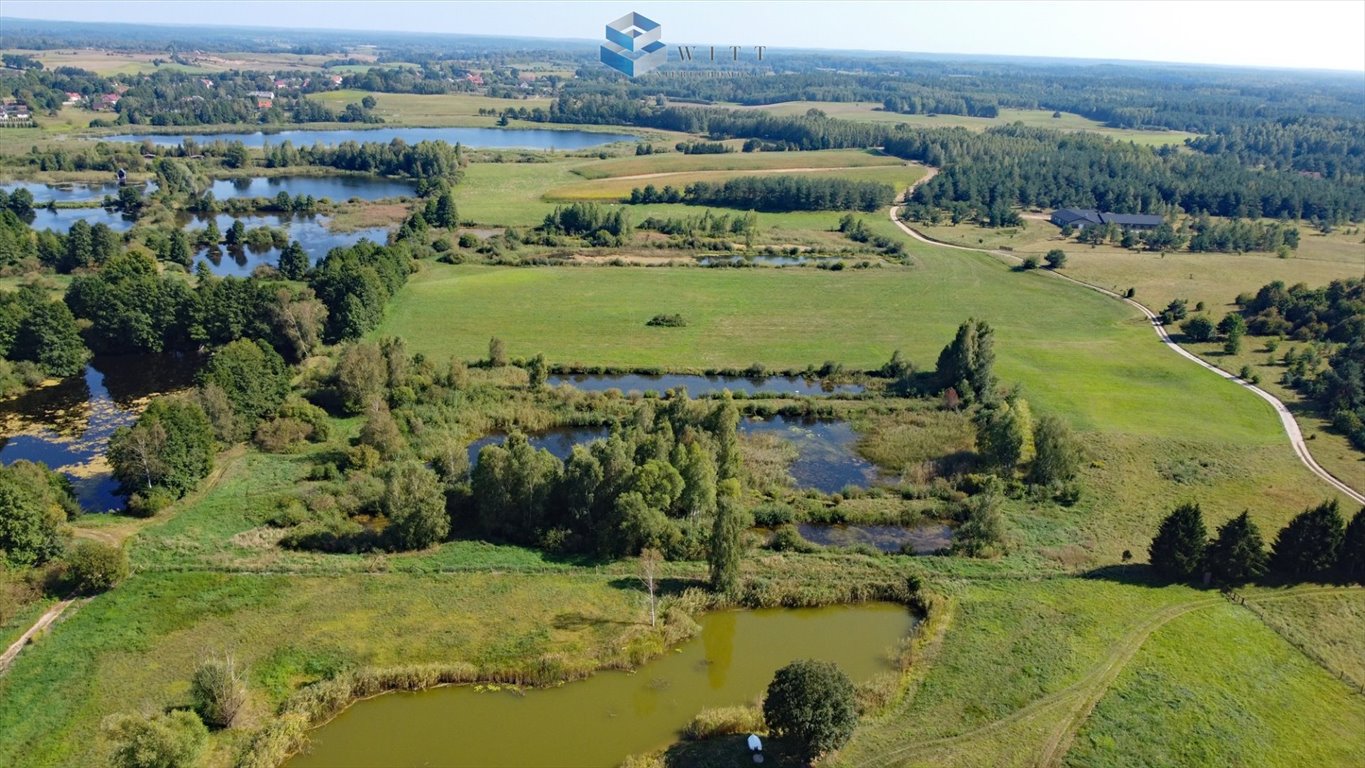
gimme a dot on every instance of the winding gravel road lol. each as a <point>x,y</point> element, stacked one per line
<point>1291,427</point>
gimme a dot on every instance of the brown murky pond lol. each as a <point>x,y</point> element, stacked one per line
<point>601,720</point>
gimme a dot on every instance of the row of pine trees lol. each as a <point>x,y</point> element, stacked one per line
<point>1317,545</point>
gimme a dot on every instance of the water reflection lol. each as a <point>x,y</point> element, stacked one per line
<point>718,640</point>
<point>311,232</point>
<point>700,386</point>
<point>67,426</point>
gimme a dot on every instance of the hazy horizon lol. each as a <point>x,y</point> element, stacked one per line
<point>1275,34</point>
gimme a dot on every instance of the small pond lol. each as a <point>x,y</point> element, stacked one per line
<point>601,720</point>
<point>477,138</point>
<point>67,426</point>
<point>768,261</point>
<point>826,459</point>
<point>335,188</point>
<point>924,539</point>
<point>698,386</point>
<point>311,232</point>
<point>558,441</point>
<point>70,192</point>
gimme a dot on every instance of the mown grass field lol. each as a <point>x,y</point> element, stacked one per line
<point>617,189</point>
<point>1091,359</point>
<point>430,110</point>
<point>676,162</point>
<point>518,193</point>
<point>1217,688</point>
<point>867,111</point>
<point>1331,627</point>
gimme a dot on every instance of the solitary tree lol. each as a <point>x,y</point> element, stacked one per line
<point>1000,437</point>
<point>360,376</point>
<point>812,704</point>
<point>293,261</point>
<point>982,530</point>
<point>218,690</point>
<point>93,567</point>
<point>165,740</point>
<point>1055,258</point>
<point>1177,551</point>
<point>1057,454</point>
<point>1307,548</point>
<point>537,371</point>
<point>727,538</point>
<point>416,506</point>
<point>1198,328</point>
<point>723,423</point>
<point>1237,555</point>
<point>497,352</point>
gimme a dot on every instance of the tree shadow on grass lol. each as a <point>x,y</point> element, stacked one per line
<point>1133,574</point>
<point>666,587</point>
<point>729,752</point>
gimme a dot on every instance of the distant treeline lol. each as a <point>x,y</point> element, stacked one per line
<point>778,193</point>
<point>1200,100</point>
<point>423,160</point>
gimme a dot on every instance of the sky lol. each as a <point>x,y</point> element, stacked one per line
<point>1300,34</point>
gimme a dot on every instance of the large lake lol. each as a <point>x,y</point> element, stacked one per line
<point>599,721</point>
<point>477,138</point>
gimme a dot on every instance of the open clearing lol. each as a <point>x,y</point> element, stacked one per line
<point>618,188</point>
<point>867,111</point>
<point>460,109</point>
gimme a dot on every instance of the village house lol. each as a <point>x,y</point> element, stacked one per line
<point>1080,218</point>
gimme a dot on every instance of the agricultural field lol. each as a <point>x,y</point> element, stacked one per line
<point>863,111</point>
<point>616,189</point>
<point>456,109</point>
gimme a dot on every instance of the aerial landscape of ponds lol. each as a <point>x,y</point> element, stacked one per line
<point>67,425</point>
<point>612,714</point>
<point>477,138</point>
<point>699,386</point>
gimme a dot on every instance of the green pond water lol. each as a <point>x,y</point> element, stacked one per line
<point>601,720</point>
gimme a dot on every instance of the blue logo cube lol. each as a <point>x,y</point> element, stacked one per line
<point>633,46</point>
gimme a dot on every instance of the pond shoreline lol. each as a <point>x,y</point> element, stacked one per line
<point>316,705</point>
